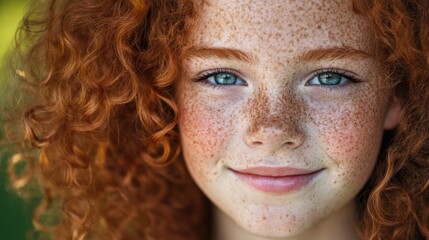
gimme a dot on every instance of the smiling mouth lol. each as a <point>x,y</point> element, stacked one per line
<point>276,180</point>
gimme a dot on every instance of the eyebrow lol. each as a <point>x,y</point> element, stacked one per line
<point>334,53</point>
<point>224,53</point>
<point>330,53</point>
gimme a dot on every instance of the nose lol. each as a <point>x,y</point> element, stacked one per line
<point>274,136</point>
<point>275,121</point>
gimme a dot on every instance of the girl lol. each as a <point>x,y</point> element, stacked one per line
<point>296,119</point>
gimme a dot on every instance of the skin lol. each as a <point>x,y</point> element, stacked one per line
<point>280,116</point>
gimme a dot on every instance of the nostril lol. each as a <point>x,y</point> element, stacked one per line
<point>273,137</point>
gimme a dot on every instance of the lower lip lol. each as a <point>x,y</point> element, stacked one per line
<point>282,184</point>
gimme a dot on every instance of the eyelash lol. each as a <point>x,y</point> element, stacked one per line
<point>205,75</point>
<point>351,78</point>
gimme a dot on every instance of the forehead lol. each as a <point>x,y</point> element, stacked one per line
<point>281,26</point>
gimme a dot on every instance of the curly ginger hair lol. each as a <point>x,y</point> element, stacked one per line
<point>100,81</point>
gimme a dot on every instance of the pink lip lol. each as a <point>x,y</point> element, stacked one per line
<point>276,180</point>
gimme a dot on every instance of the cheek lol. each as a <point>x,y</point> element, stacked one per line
<point>351,135</point>
<point>206,132</point>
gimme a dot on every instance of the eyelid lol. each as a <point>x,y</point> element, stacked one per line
<point>202,76</point>
<point>349,75</point>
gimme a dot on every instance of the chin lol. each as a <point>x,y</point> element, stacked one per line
<point>275,231</point>
<point>275,225</point>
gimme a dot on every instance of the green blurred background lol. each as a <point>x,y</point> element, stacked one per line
<point>15,213</point>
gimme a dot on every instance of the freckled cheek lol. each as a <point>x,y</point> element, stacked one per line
<point>352,143</point>
<point>352,137</point>
<point>204,131</point>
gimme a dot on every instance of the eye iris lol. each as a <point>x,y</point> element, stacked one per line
<point>225,78</point>
<point>329,78</point>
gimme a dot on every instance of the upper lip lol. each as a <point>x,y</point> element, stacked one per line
<point>275,171</point>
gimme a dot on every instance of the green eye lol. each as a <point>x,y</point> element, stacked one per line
<point>221,78</point>
<point>329,78</point>
<point>225,78</point>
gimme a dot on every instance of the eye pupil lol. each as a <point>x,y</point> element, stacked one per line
<point>225,78</point>
<point>329,78</point>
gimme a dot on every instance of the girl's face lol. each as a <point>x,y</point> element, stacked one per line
<point>282,110</point>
